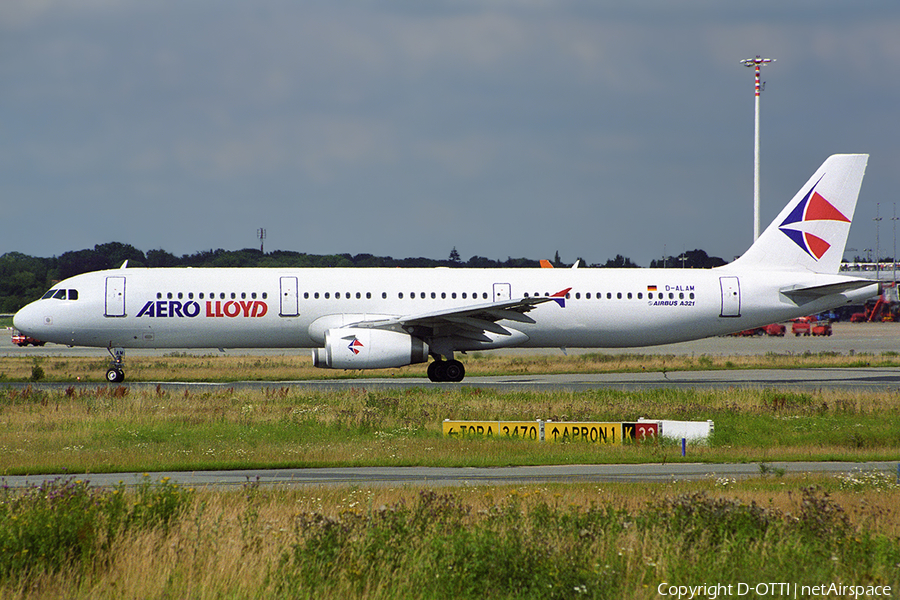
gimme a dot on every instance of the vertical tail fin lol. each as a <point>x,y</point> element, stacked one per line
<point>811,232</point>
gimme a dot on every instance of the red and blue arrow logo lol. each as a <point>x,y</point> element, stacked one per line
<point>355,345</point>
<point>560,297</point>
<point>813,207</point>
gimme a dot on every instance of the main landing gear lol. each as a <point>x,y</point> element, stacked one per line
<point>116,372</point>
<point>446,370</point>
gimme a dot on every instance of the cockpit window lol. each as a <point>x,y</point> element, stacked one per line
<point>61,294</point>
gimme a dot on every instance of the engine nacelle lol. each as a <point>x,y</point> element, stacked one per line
<point>361,348</point>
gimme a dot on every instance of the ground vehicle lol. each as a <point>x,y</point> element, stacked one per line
<point>801,326</point>
<point>810,326</point>
<point>880,309</point>
<point>20,339</point>
<point>773,329</point>
<point>821,328</point>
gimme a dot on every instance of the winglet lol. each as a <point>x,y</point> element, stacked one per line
<point>546,264</point>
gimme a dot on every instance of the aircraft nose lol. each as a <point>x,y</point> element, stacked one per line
<point>30,320</point>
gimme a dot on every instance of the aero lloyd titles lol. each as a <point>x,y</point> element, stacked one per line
<point>217,308</point>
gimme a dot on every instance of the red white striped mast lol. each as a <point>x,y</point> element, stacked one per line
<point>756,63</point>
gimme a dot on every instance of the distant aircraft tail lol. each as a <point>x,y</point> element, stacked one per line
<point>811,232</point>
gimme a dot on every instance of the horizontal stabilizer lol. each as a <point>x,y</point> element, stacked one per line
<point>828,289</point>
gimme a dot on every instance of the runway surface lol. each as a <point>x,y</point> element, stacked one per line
<point>466,476</point>
<point>849,379</point>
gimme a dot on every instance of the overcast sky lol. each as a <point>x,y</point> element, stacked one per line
<point>505,128</point>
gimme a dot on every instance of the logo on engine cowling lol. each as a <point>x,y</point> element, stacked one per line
<point>355,345</point>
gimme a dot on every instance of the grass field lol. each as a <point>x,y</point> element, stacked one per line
<point>110,428</point>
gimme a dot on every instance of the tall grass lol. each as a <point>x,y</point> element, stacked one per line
<point>65,526</point>
<point>557,541</point>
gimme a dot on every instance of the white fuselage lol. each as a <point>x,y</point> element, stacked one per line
<point>292,308</point>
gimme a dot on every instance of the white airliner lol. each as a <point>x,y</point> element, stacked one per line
<point>361,318</point>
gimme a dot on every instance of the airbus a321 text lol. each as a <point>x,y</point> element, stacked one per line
<point>362,318</point>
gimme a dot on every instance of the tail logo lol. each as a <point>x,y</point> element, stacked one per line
<point>355,345</point>
<point>813,207</point>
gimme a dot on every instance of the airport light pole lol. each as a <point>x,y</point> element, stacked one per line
<point>756,63</point>
<point>877,220</point>
<point>894,255</point>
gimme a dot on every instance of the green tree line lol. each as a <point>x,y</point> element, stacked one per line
<point>25,278</point>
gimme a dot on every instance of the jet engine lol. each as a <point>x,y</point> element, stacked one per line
<point>362,348</point>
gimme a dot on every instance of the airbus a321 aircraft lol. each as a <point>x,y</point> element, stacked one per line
<point>361,318</point>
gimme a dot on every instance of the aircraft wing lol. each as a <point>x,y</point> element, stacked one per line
<point>468,321</point>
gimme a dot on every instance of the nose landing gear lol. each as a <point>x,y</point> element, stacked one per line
<point>116,371</point>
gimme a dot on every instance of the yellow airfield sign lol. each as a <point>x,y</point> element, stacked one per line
<point>471,428</point>
<point>550,431</point>
<point>595,433</point>
<point>525,430</point>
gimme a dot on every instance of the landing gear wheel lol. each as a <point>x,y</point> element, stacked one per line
<point>454,371</point>
<point>116,372</point>
<point>446,370</point>
<point>115,376</point>
<point>436,371</point>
